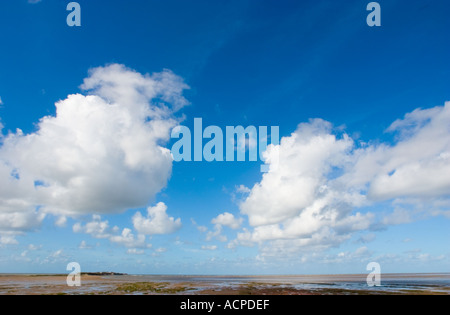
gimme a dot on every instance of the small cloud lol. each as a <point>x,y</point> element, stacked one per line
<point>101,230</point>
<point>129,240</point>
<point>56,253</point>
<point>209,247</point>
<point>224,219</point>
<point>156,222</point>
<point>134,251</point>
<point>33,247</point>
<point>179,242</point>
<point>8,240</point>
<point>84,245</point>
<point>1,102</point>
<point>34,1</point>
<point>61,221</point>
<point>243,189</point>
<point>96,228</point>
<point>200,228</point>
<point>55,257</point>
<point>228,220</point>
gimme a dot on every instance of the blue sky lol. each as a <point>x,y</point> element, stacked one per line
<point>366,181</point>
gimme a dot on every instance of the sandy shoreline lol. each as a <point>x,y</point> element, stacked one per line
<point>399,284</point>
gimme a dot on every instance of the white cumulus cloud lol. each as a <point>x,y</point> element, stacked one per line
<point>156,222</point>
<point>311,198</point>
<point>134,251</point>
<point>300,180</point>
<point>129,240</point>
<point>101,153</point>
<point>228,220</point>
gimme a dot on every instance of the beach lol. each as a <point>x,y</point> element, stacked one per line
<point>392,284</point>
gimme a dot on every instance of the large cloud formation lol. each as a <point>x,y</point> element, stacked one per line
<point>101,153</point>
<point>310,199</point>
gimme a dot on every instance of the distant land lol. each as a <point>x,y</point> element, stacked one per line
<point>103,273</point>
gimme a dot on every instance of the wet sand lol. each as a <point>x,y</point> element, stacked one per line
<point>399,284</point>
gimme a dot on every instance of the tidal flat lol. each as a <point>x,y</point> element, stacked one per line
<point>392,284</point>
